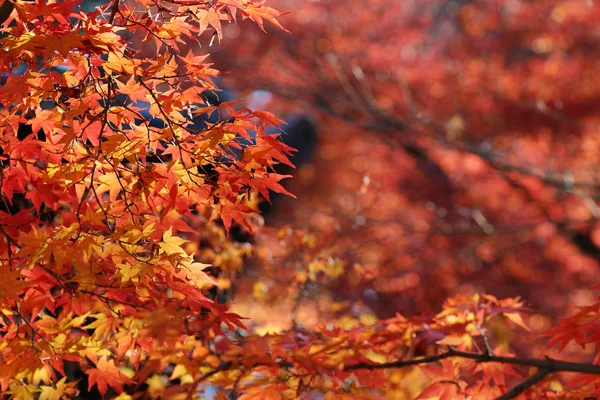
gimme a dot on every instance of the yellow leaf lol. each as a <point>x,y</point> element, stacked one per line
<point>517,319</point>
<point>119,63</point>
<point>23,392</point>
<point>63,390</point>
<point>172,244</point>
<point>156,385</point>
<point>198,276</point>
<point>178,372</point>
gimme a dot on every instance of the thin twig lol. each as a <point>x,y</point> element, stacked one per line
<point>526,384</point>
<point>486,342</point>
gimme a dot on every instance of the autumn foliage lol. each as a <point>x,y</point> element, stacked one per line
<point>443,240</point>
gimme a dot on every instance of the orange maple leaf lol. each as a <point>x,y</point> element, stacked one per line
<point>106,374</point>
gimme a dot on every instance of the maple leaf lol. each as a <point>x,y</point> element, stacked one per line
<point>23,392</point>
<point>229,212</point>
<point>196,274</point>
<point>268,117</point>
<point>104,325</point>
<point>517,319</point>
<point>496,372</point>
<point>442,391</point>
<point>156,385</point>
<point>106,374</point>
<point>11,283</point>
<point>258,12</point>
<point>133,90</point>
<point>109,183</point>
<point>275,392</point>
<point>120,64</point>
<point>172,244</point>
<point>209,18</point>
<point>270,182</point>
<point>61,390</point>
<point>447,383</point>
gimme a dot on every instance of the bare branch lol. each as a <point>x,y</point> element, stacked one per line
<point>5,10</point>
<point>526,384</point>
<point>549,363</point>
<point>545,366</point>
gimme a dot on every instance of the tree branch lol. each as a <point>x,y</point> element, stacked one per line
<point>551,364</point>
<point>526,384</point>
<point>545,366</point>
<point>113,11</point>
<point>6,9</point>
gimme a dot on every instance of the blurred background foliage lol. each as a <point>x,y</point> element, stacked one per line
<point>457,153</point>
